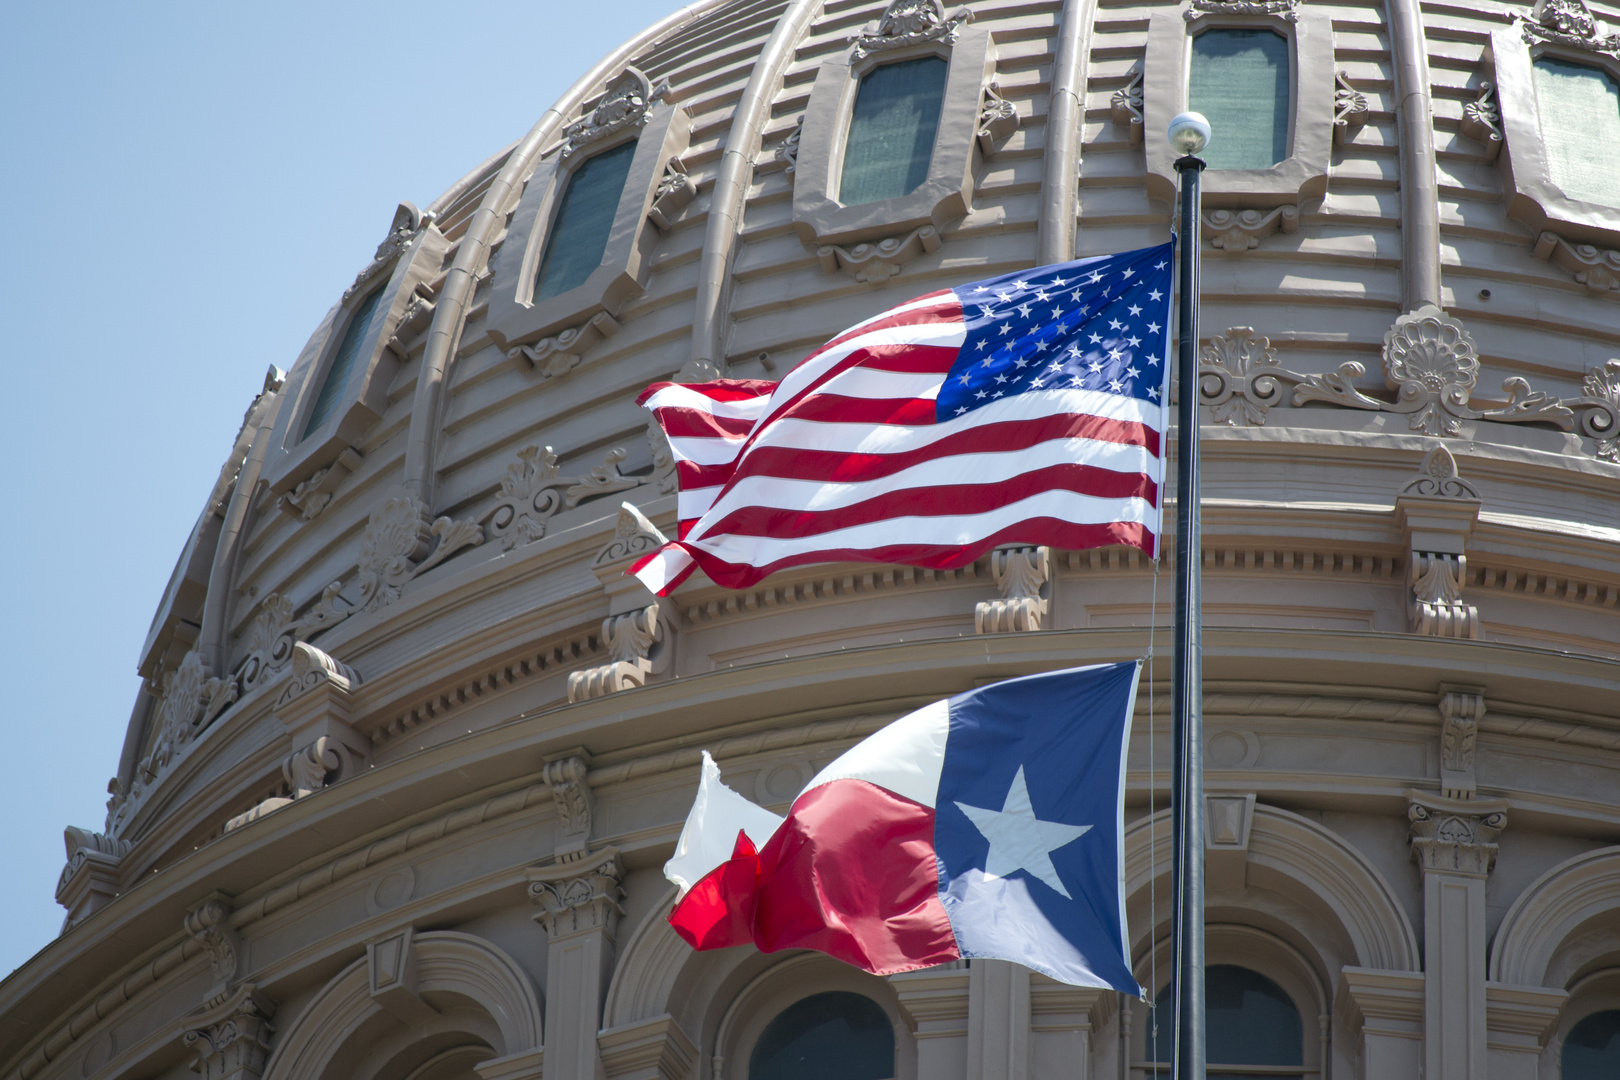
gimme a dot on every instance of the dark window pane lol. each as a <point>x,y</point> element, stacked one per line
<point>1592,1048</point>
<point>579,231</point>
<point>832,1036</point>
<point>1580,125</point>
<point>1249,1020</point>
<point>1239,81</point>
<point>891,135</point>
<point>337,372</point>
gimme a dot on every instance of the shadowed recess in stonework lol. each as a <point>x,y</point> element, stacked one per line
<point>836,1034</point>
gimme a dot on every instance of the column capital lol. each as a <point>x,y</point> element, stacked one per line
<point>579,896</point>
<point>232,1039</point>
<point>1454,836</point>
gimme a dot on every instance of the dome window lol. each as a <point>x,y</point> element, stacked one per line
<point>337,372</point>
<point>584,218</point>
<point>1592,1048</point>
<point>891,133</point>
<point>1239,81</point>
<point>1579,108</point>
<point>833,1034</point>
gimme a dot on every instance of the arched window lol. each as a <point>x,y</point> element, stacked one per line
<point>1250,1022</point>
<point>835,1035</point>
<point>1239,81</point>
<point>1592,1048</point>
<point>337,372</point>
<point>891,133</point>
<point>1580,126</point>
<point>584,218</point>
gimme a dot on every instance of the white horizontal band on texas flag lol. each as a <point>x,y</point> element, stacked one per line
<point>990,824</point>
<point>1028,408</point>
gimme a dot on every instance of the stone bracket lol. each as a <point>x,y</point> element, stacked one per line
<point>1228,820</point>
<point>1242,230</point>
<point>1020,574</point>
<point>1462,708</point>
<point>1436,510</point>
<point>210,924</point>
<point>881,259</point>
<point>554,356</point>
<point>1596,268</point>
<point>309,498</point>
<point>391,977</point>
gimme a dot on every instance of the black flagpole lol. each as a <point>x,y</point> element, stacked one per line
<point>1189,133</point>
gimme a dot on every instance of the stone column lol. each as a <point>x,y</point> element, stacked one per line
<point>998,1041</point>
<point>1453,842</point>
<point>936,1000</point>
<point>579,909</point>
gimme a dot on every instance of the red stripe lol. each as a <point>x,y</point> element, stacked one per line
<point>943,500</point>
<point>1062,535</point>
<point>914,359</point>
<point>838,409</point>
<point>948,310</point>
<point>717,390</point>
<point>679,423</point>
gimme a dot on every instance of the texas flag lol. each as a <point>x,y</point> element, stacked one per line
<point>989,824</point>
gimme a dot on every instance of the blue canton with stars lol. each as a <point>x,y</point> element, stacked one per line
<point>1095,324</point>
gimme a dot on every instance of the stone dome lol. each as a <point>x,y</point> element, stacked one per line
<point>411,749</point>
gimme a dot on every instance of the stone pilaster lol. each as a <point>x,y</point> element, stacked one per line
<point>1453,841</point>
<point>232,1039</point>
<point>655,1049</point>
<point>1521,1019</point>
<point>578,904</point>
<point>998,1041</point>
<point>1064,1022</point>
<point>1382,1013</point>
<point>936,1001</point>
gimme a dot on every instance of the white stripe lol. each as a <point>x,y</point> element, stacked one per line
<point>662,568</point>
<point>947,530</point>
<point>876,384</point>
<point>691,505</point>
<point>684,397</point>
<point>906,757</point>
<point>706,450</point>
<point>949,334</point>
<point>979,467</point>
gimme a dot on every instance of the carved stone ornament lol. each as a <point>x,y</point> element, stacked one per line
<point>1020,573</point>
<point>1288,9</point>
<point>304,772</point>
<point>626,100</point>
<point>210,924</point>
<point>1596,268</point>
<point>572,794</point>
<point>1461,711</point>
<point>1600,409</point>
<point>398,544</point>
<point>311,668</point>
<point>881,260</point>
<point>1566,22</point>
<point>232,1039</point>
<point>787,151</point>
<point>998,120</point>
<point>1437,508</point>
<point>408,226</point>
<point>633,537</point>
<point>1437,609</point>
<point>663,459</point>
<point>417,317</point>
<point>562,353</point>
<point>1431,363</point>
<point>630,640</point>
<point>1349,109</point>
<point>1437,478</point>
<point>1242,230</point>
<point>90,877</point>
<point>673,194</point>
<point>1238,376</point>
<point>578,897</point>
<point>308,499</point>
<point>909,22</point>
<point>1454,835</point>
<point>535,490</point>
<point>1482,121</point>
<point>192,699</point>
<point>1125,107</point>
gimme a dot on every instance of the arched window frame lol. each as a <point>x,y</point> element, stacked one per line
<point>947,192</point>
<point>1557,222</point>
<point>1595,992</point>
<point>1261,952</point>
<point>655,188</point>
<point>405,262</point>
<point>792,980</point>
<point>1167,67</point>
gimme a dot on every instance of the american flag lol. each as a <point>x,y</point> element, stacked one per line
<point>1027,408</point>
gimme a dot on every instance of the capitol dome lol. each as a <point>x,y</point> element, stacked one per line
<point>412,749</point>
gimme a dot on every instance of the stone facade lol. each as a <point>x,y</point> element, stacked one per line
<point>411,750</point>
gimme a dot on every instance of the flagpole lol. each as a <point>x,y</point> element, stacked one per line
<point>1189,133</point>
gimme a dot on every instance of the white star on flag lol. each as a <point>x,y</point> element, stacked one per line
<point>1019,840</point>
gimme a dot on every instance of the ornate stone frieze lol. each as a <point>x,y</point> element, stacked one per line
<point>1125,107</point>
<point>1242,230</point>
<point>1462,710</point>
<point>675,191</point>
<point>309,498</point>
<point>1454,835</point>
<point>625,102</point>
<point>630,640</point>
<point>998,120</point>
<point>1238,377</point>
<point>1020,573</point>
<point>881,259</point>
<point>534,491</point>
<point>210,924</point>
<point>578,897</point>
<point>910,22</point>
<point>1349,109</point>
<point>399,544</point>
<point>562,353</point>
<point>1287,9</point>
<point>575,804</point>
<point>232,1039</point>
<point>1596,268</point>
<point>787,151</point>
<point>311,668</point>
<point>1566,22</point>
<point>1482,121</point>
<point>408,226</point>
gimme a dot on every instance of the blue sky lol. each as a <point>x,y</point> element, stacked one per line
<point>189,187</point>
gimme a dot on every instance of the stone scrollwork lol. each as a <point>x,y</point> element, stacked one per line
<point>192,699</point>
<point>881,260</point>
<point>1437,478</point>
<point>1437,607</point>
<point>1482,121</point>
<point>399,544</point>
<point>408,226</point>
<point>1431,363</point>
<point>1599,405</point>
<point>1239,377</point>
<point>90,877</point>
<point>1287,9</point>
<point>309,498</point>
<point>562,353</point>
<point>578,896</point>
<point>232,1038</point>
<point>675,191</point>
<point>1596,268</point>
<point>535,490</point>
<point>1242,230</point>
<point>626,100</point>
<point>1454,835</point>
<point>1125,107</point>
<point>1437,509</point>
<point>1566,22</point>
<point>1020,573</point>
<point>1462,709</point>
<point>998,120</point>
<point>311,668</point>
<point>910,22</point>
<point>210,924</point>
<point>787,151</point>
<point>1349,109</point>
<point>632,642</point>
<point>571,792</point>
<point>633,537</point>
